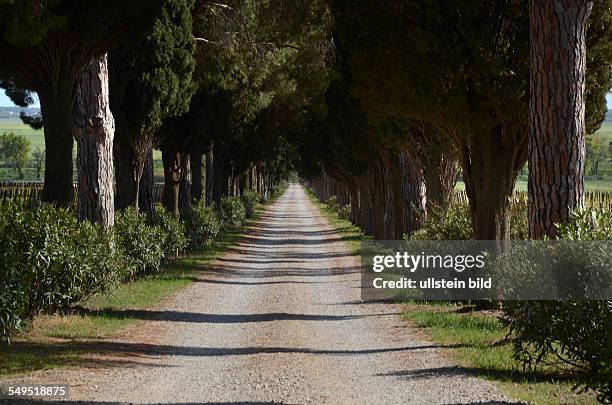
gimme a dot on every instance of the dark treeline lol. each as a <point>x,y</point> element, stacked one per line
<point>425,90</point>
<point>216,87</point>
<point>382,103</point>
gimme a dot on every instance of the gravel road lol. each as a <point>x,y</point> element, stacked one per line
<point>276,320</point>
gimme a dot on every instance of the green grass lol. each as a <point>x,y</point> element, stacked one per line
<point>64,340</point>
<point>351,234</point>
<point>476,341</point>
<point>36,138</point>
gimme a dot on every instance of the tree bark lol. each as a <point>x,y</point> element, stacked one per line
<point>94,129</point>
<point>172,178</point>
<point>185,186</point>
<point>124,174</point>
<point>133,162</point>
<point>219,178</point>
<point>490,166</point>
<point>210,156</point>
<point>413,192</point>
<point>56,103</point>
<point>441,171</point>
<point>556,112</point>
<point>198,174</point>
<point>146,201</point>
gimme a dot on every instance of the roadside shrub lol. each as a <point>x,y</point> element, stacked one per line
<point>519,225</point>
<point>332,203</point>
<point>232,211</point>
<point>455,223</point>
<point>175,238</point>
<point>344,212</point>
<point>589,224</point>
<point>451,223</point>
<point>250,199</point>
<point>278,190</point>
<point>203,225</point>
<point>48,261</point>
<point>575,333</point>
<point>141,245</point>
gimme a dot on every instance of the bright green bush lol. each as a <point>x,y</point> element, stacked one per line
<point>175,234</point>
<point>232,211</point>
<point>141,245</point>
<point>250,199</point>
<point>203,225</point>
<point>451,223</point>
<point>577,333</point>
<point>48,261</point>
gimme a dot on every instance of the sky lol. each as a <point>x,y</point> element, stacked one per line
<point>6,102</point>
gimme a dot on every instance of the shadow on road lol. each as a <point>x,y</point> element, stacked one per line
<point>196,317</point>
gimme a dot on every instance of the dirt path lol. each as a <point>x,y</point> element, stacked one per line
<point>277,320</point>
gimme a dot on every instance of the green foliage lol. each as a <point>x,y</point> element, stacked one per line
<point>576,333</point>
<point>519,225</point>
<point>49,260</point>
<point>454,223</point>
<point>151,81</point>
<point>203,225</point>
<point>332,203</point>
<point>278,190</point>
<point>141,245</point>
<point>250,199</point>
<point>588,224</point>
<point>344,212</point>
<point>175,238</point>
<point>15,150</point>
<point>232,211</point>
<point>446,223</point>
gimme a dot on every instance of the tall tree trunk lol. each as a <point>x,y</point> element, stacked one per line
<point>94,129</point>
<point>185,186</point>
<point>413,192</point>
<point>125,194</point>
<point>400,225</point>
<point>219,178</point>
<point>198,174</point>
<point>490,166</point>
<point>146,201</point>
<point>210,173</point>
<point>441,171</point>
<point>556,112</point>
<point>56,103</point>
<point>172,178</point>
<point>134,174</point>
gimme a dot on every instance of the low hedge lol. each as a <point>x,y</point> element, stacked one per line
<point>203,225</point>
<point>48,261</point>
<point>232,211</point>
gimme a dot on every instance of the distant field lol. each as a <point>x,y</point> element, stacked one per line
<point>36,138</point>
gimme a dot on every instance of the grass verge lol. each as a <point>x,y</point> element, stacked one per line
<point>475,340</point>
<point>351,234</point>
<point>53,341</point>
